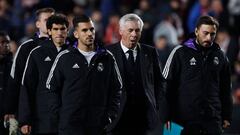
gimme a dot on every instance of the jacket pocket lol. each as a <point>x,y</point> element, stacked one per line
<point>96,116</point>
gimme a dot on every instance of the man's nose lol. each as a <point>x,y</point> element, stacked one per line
<point>89,32</point>
<point>209,37</point>
<point>134,33</point>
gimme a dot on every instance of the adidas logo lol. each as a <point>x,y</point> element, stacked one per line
<point>75,66</point>
<point>193,61</point>
<point>47,58</point>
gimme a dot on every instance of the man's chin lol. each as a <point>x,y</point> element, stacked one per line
<point>206,44</point>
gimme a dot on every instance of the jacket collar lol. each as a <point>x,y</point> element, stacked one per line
<point>191,43</point>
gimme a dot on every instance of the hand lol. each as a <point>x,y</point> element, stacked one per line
<point>226,124</point>
<point>26,129</point>
<point>168,125</point>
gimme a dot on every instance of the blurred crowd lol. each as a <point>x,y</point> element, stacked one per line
<point>166,23</point>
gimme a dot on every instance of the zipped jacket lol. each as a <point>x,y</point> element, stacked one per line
<point>89,93</point>
<point>34,99</point>
<point>198,84</point>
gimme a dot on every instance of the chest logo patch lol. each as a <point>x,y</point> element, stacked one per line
<point>100,67</point>
<point>193,61</point>
<point>215,61</point>
<point>47,58</point>
<point>75,66</point>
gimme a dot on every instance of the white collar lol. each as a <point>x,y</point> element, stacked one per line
<point>125,49</point>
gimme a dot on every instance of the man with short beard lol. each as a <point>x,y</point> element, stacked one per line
<point>198,83</point>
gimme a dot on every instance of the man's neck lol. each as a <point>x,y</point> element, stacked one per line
<point>58,44</point>
<point>42,35</point>
<point>86,48</point>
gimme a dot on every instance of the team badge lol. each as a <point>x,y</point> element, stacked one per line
<point>100,67</point>
<point>215,61</point>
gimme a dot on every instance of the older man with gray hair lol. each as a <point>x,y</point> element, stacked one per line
<point>143,94</point>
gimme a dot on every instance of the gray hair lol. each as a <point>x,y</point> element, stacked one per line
<point>130,17</point>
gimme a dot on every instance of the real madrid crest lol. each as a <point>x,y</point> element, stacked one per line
<point>100,67</point>
<point>215,61</point>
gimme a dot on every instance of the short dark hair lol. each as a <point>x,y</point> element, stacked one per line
<point>43,10</point>
<point>57,19</point>
<point>80,19</point>
<point>4,34</point>
<point>209,20</point>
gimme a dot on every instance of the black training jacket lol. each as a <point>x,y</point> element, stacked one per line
<point>89,93</point>
<point>198,84</point>
<point>34,99</point>
<point>14,82</point>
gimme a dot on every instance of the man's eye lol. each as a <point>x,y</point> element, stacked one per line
<point>84,30</point>
<point>92,29</point>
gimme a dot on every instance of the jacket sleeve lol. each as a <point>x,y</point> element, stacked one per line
<point>14,82</point>
<point>27,91</point>
<point>171,73</point>
<point>225,91</point>
<point>115,93</point>
<point>55,77</point>
<point>159,88</point>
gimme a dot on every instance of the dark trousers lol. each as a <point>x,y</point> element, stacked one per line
<point>132,122</point>
<point>47,134</point>
<point>184,132</point>
<point>3,131</point>
<point>196,130</point>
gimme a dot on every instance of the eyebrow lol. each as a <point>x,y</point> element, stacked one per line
<point>62,28</point>
<point>86,29</point>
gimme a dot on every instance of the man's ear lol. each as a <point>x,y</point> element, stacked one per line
<point>75,34</point>
<point>37,24</point>
<point>196,31</point>
<point>120,31</point>
<point>49,32</point>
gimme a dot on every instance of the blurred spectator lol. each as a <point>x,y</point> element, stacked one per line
<point>13,47</point>
<point>229,46</point>
<point>29,3</point>
<point>164,49</point>
<point>97,20</point>
<point>80,2</point>
<point>108,7</point>
<point>30,30</point>
<point>234,128</point>
<point>201,7</point>
<point>5,67</point>
<point>217,11</point>
<point>234,10</point>
<point>5,23</point>
<point>236,77</point>
<point>146,13</point>
<point>167,29</point>
<point>112,31</point>
<point>78,10</point>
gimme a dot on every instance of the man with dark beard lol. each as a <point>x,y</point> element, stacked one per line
<point>198,83</point>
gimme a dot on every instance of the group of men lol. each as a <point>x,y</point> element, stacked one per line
<point>56,88</point>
